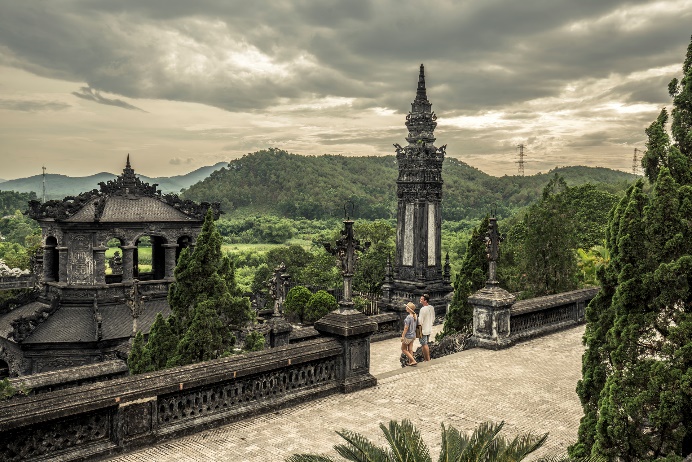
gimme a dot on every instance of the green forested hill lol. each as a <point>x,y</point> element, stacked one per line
<point>276,182</point>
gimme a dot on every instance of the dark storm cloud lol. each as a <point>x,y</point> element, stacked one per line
<point>32,106</point>
<point>514,65</point>
<point>91,95</point>
<point>478,55</point>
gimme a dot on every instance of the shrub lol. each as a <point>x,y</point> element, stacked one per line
<point>319,305</point>
<point>359,303</point>
<point>254,341</point>
<point>296,301</point>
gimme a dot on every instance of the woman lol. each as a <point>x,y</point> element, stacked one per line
<point>409,334</point>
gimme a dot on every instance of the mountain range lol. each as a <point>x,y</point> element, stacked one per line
<point>59,186</point>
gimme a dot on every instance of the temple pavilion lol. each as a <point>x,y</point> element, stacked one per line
<point>108,259</point>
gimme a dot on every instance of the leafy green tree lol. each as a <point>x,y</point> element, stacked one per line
<point>321,270</point>
<point>11,201</point>
<point>320,303</point>
<point>296,301</point>
<point>371,268</point>
<point>637,368</point>
<point>471,277</point>
<point>254,341</point>
<point>591,261</point>
<point>404,443</point>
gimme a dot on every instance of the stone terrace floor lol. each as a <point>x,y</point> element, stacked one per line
<point>530,386</point>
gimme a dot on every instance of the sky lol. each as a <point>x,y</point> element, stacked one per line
<point>179,84</point>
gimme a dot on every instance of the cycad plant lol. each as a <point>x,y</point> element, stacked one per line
<point>406,445</point>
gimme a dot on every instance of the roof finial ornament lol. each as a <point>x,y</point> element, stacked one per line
<point>127,164</point>
<point>420,92</point>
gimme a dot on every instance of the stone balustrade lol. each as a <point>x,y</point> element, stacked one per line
<point>24,281</point>
<point>99,419</point>
<point>541,315</point>
<point>499,321</point>
<point>70,377</point>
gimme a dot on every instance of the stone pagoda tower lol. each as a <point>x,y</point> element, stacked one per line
<point>417,267</point>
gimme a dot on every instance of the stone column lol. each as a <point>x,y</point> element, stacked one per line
<point>280,331</point>
<point>492,308</point>
<point>100,265</point>
<point>169,252</point>
<point>128,262</point>
<point>48,256</point>
<point>62,264</point>
<point>353,330</point>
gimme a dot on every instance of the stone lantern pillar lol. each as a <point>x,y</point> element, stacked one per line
<point>350,327</point>
<point>280,328</point>
<point>169,257</point>
<point>492,305</point>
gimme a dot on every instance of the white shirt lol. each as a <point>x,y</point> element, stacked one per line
<point>426,318</point>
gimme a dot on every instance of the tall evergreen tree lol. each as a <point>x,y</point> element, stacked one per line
<point>471,277</point>
<point>135,360</point>
<point>203,340</point>
<point>206,304</point>
<point>162,342</point>
<point>549,243</point>
<point>636,388</point>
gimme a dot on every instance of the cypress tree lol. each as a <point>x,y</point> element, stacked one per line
<point>549,243</point>
<point>135,360</point>
<point>636,388</point>
<point>471,277</point>
<point>203,340</point>
<point>162,342</point>
<point>599,319</point>
<point>205,295</point>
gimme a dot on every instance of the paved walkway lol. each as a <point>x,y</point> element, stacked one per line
<point>530,386</point>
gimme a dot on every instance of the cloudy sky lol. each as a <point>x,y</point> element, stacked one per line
<point>181,84</point>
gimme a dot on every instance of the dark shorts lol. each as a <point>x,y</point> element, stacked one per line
<point>424,340</point>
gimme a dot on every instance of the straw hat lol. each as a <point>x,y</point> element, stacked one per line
<point>410,307</point>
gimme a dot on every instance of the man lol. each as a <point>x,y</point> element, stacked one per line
<point>426,318</point>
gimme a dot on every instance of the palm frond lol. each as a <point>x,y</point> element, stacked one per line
<point>454,444</point>
<point>481,441</point>
<point>523,445</point>
<point>359,448</point>
<point>405,442</point>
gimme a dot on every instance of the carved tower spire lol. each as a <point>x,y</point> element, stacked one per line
<point>418,262</point>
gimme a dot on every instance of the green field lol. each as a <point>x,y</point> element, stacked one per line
<point>144,256</point>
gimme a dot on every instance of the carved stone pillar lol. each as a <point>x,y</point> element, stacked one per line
<point>128,262</point>
<point>169,251</point>
<point>48,262</point>
<point>492,308</point>
<point>62,264</point>
<point>100,265</point>
<point>353,330</point>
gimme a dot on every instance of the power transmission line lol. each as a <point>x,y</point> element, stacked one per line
<point>43,198</point>
<point>521,159</point>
